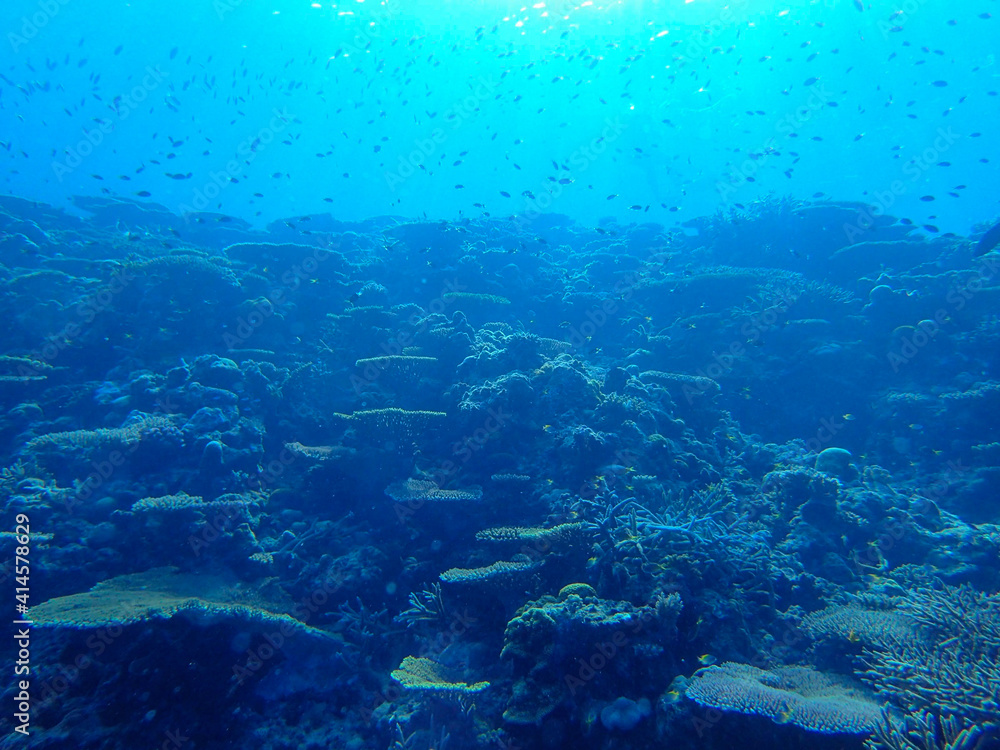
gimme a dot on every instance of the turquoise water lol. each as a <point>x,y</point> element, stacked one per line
<point>387,108</point>
<point>443,375</point>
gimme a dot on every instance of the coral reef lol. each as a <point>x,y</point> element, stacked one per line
<point>802,696</point>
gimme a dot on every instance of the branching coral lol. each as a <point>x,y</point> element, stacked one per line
<point>956,671</point>
<point>934,653</point>
<point>927,731</point>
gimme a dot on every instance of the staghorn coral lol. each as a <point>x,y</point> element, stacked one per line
<point>419,673</point>
<point>956,669</point>
<point>925,731</point>
<point>933,653</point>
<point>425,606</point>
<point>162,593</point>
<point>815,701</point>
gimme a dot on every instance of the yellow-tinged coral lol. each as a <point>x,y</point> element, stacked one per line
<point>262,558</point>
<point>564,533</point>
<point>817,702</point>
<point>184,501</point>
<point>22,369</point>
<point>38,539</point>
<point>113,437</point>
<point>419,673</point>
<point>413,490</point>
<point>511,478</point>
<point>497,571</point>
<point>161,593</point>
<point>582,590</point>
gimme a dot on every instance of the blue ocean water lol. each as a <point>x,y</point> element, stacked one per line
<point>446,374</point>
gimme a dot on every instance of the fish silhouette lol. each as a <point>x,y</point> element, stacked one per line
<point>989,241</point>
